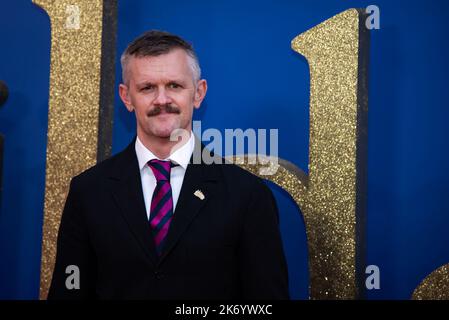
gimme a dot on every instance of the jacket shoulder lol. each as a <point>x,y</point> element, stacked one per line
<point>108,167</point>
<point>242,178</point>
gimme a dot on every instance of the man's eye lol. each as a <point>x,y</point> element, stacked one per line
<point>147,88</point>
<point>174,85</point>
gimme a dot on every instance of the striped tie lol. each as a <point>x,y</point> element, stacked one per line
<point>161,212</point>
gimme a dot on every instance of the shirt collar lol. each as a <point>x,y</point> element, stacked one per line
<point>181,156</point>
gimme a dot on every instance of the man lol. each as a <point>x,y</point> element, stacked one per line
<point>149,223</point>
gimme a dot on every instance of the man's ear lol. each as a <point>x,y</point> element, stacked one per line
<point>123,91</point>
<point>200,93</point>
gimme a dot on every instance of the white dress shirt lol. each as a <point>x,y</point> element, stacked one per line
<point>181,157</point>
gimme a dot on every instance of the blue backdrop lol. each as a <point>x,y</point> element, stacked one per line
<point>257,81</point>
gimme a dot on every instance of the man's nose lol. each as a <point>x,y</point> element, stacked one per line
<point>162,97</point>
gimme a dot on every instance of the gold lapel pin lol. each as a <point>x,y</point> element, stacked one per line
<point>199,194</point>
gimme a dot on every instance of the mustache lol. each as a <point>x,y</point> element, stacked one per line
<point>168,108</point>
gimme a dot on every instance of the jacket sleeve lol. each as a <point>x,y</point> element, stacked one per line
<point>263,268</point>
<point>74,271</point>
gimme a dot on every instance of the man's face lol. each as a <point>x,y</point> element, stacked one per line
<point>162,92</point>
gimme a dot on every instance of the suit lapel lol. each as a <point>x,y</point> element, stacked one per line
<point>200,177</point>
<point>127,192</point>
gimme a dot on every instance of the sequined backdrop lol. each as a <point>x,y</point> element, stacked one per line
<point>78,97</point>
<point>407,224</point>
<point>332,197</point>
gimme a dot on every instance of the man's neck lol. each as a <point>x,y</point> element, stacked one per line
<point>162,147</point>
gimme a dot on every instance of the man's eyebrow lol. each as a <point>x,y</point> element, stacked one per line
<point>144,83</point>
<point>180,81</point>
<point>168,81</point>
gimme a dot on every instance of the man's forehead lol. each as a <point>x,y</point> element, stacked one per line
<point>172,64</point>
<point>175,57</point>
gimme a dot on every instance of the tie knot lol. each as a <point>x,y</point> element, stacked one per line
<point>161,169</point>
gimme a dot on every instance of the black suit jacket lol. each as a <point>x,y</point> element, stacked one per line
<point>225,246</point>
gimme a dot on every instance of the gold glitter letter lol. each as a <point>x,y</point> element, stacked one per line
<point>332,197</point>
<point>334,203</point>
<point>80,92</point>
<point>435,286</point>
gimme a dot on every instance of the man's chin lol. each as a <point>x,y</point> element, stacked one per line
<point>163,133</point>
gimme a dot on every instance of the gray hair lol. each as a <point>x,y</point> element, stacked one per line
<point>154,43</point>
